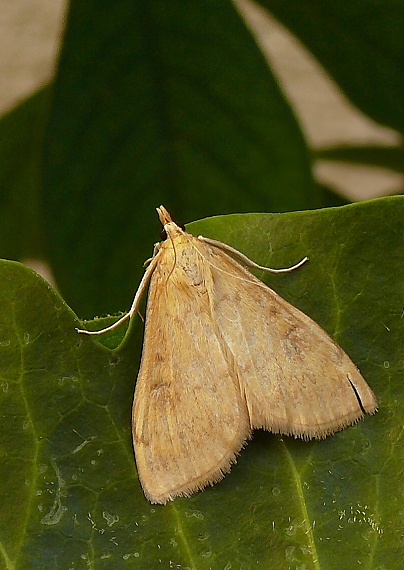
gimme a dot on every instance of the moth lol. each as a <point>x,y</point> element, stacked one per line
<point>224,354</point>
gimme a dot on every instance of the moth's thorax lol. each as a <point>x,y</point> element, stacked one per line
<point>182,259</point>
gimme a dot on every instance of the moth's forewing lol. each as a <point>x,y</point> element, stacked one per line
<point>189,418</point>
<point>295,378</point>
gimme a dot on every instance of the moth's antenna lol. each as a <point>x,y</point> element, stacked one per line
<point>135,303</point>
<point>258,283</point>
<point>246,260</point>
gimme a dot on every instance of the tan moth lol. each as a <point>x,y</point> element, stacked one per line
<point>224,354</point>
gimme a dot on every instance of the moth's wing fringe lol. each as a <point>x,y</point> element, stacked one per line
<point>312,433</point>
<point>192,487</point>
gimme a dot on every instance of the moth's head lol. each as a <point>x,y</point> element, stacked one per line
<point>170,228</point>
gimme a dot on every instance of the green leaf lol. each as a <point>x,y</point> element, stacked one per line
<point>21,139</point>
<point>69,494</point>
<point>360,43</point>
<point>158,102</point>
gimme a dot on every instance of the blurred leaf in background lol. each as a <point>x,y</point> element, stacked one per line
<point>173,103</point>
<point>360,43</point>
<point>21,154</point>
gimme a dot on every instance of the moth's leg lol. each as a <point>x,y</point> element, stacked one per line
<point>244,259</point>
<point>156,249</point>
<point>135,303</point>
